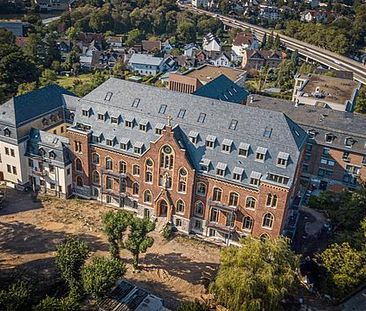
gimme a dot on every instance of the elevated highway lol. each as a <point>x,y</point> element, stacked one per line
<point>320,55</point>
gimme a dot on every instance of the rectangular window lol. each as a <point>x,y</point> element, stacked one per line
<point>326,151</point>
<point>135,102</point>
<point>243,152</point>
<point>109,183</point>
<point>108,96</point>
<point>281,162</point>
<point>345,156</point>
<point>8,168</point>
<point>6,150</point>
<point>220,172</point>
<point>114,120</point>
<point>109,142</point>
<point>214,216</point>
<point>14,170</point>
<point>78,146</point>
<point>129,124</point>
<point>259,156</point>
<point>278,179</point>
<point>254,181</point>
<point>162,109</point>
<point>85,113</point>
<point>201,117</point>
<point>12,153</point>
<point>236,176</point>
<point>30,163</point>
<point>101,116</point>
<point>209,144</point>
<point>123,146</point>
<point>137,150</point>
<point>158,131</point>
<point>143,127</point>
<point>181,113</point>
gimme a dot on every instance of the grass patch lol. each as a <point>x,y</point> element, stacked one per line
<point>68,82</point>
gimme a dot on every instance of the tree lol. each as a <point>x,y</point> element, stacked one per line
<point>71,33</point>
<point>70,257</point>
<point>119,68</point>
<point>255,276</point>
<point>134,36</point>
<point>26,87</point>
<point>138,240</point>
<point>114,225</point>
<point>264,41</point>
<point>48,77</point>
<point>361,100</point>
<point>186,31</point>
<point>6,37</point>
<point>345,266</point>
<point>100,275</point>
<point>285,75</point>
<point>193,306</point>
<point>270,41</point>
<point>277,43</point>
<point>57,304</point>
<point>15,298</point>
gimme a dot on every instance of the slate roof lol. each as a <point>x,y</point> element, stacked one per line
<point>223,88</point>
<point>322,120</point>
<point>145,59</point>
<point>49,143</point>
<point>23,108</point>
<point>250,128</point>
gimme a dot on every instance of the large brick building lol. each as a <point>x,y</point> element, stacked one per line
<point>215,169</point>
<point>335,155</point>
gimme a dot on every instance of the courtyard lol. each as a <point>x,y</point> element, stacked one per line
<point>174,270</point>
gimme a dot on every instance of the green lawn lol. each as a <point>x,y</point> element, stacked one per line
<point>67,82</point>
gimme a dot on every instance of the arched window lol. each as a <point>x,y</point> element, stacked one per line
<point>247,223</point>
<point>271,200</point>
<point>79,181</point>
<point>182,184</point>
<point>136,170</point>
<point>95,158</point>
<point>267,221</point>
<point>78,165</point>
<point>147,196</point>
<point>201,188</point>
<point>166,157</point>
<point>180,206</point>
<point>250,202</point>
<point>149,169</point>
<point>135,189</point>
<point>122,167</point>
<point>264,237</point>
<point>233,199</point>
<point>217,194</point>
<point>108,163</point>
<point>198,209</point>
<point>95,177</point>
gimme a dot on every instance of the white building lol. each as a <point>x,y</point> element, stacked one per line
<point>200,3</point>
<point>211,43</point>
<point>242,42</point>
<point>44,109</point>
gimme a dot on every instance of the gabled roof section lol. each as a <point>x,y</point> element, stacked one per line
<point>222,88</point>
<point>26,107</point>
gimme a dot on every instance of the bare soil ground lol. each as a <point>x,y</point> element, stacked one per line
<point>174,270</point>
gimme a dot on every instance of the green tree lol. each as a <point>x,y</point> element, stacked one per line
<point>270,41</point>
<point>285,75</point>
<point>361,100</point>
<point>345,266</point>
<point>100,275</point>
<point>71,33</point>
<point>255,276</point>
<point>57,304</point>
<point>48,76</point>
<point>138,240</point>
<point>26,87</point>
<point>134,36</point>
<point>70,257</point>
<point>114,225</point>
<point>119,68</point>
<point>186,31</point>
<point>193,306</point>
<point>277,43</point>
<point>16,297</point>
<point>264,41</point>
<point>6,37</point>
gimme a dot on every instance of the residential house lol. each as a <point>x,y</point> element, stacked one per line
<point>53,5</point>
<point>114,42</point>
<point>147,65</point>
<point>269,12</point>
<point>243,41</point>
<point>151,46</point>
<point>256,59</point>
<point>200,3</point>
<point>16,27</point>
<point>328,92</point>
<point>106,59</point>
<point>211,43</point>
<point>335,153</point>
<point>190,49</point>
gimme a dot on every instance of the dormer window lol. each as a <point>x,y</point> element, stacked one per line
<point>108,96</point>
<point>114,120</point>
<point>109,142</point>
<point>221,169</point>
<point>143,125</point>
<point>85,113</point>
<point>282,159</point>
<point>52,155</point>
<point>244,149</point>
<point>159,128</point>
<point>255,178</point>
<point>329,138</point>
<point>260,155</point>
<point>205,165</point>
<point>226,145</point>
<point>349,141</point>
<point>129,123</point>
<point>311,133</point>
<point>210,141</point>
<point>101,117</point>
<point>345,156</point>
<point>124,143</point>
<point>138,147</point>
<point>193,137</point>
<point>238,173</point>
<point>41,152</point>
<point>7,132</point>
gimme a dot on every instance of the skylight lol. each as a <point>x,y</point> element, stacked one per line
<point>233,124</point>
<point>135,102</point>
<point>162,109</point>
<point>267,132</point>
<point>181,113</point>
<point>201,117</point>
<point>108,96</point>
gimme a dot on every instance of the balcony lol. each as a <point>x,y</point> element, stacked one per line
<point>221,206</point>
<point>40,173</point>
<point>113,174</point>
<point>113,192</point>
<point>220,227</point>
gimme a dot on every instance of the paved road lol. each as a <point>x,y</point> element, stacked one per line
<point>46,21</point>
<point>325,57</point>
